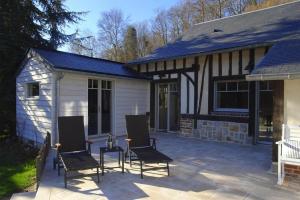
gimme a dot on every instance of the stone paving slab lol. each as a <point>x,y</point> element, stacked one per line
<point>201,170</point>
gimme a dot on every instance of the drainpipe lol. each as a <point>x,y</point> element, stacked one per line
<point>57,76</point>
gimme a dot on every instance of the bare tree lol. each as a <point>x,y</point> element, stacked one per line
<point>259,4</point>
<point>144,41</point>
<point>160,28</point>
<point>112,25</point>
<point>85,43</point>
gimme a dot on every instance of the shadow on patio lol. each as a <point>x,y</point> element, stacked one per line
<point>200,170</point>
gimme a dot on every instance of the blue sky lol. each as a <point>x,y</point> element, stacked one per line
<point>137,10</point>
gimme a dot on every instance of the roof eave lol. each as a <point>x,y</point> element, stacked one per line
<point>87,72</point>
<point>237,48</point>
<point>275,76</point>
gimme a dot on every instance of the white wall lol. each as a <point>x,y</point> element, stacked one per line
<point>34,114</point>
<point>130,97</point>
<point>291,102</point>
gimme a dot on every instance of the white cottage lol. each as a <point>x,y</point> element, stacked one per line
<point>53,83</point>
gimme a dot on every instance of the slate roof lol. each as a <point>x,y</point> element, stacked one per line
<point>253,28</point>
<point>75,62</point>
<point>283,59</point>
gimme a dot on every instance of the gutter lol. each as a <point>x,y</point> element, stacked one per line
<point>57,76</point>
<point>265,77</point>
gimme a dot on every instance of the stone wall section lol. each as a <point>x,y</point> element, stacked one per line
<point>220,131</point>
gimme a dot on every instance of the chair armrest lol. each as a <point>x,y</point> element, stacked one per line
<point>57,145</point>
<point>128,140</point>
<point>153,142</point>
<point>279,142</point>
<point>89,141</point>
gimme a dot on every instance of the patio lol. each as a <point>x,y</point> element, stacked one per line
<point>201,170</point>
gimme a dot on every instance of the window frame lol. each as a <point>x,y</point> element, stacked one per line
<point>27,87</point>
<point>233,110</point>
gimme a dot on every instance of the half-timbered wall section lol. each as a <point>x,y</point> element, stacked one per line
<point>205,83</point>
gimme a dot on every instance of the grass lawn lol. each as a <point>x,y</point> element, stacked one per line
<point>17,167</point>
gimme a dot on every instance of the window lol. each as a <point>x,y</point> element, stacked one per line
<point>106,85</point>
<point>231,96</point>
<point>33,89</point>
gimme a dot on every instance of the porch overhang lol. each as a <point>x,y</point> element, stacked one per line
<point>282,62</point>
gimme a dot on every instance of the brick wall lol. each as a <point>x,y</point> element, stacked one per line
<point>292,170</point>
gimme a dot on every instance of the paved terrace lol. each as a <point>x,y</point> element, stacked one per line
<point>201,170</point>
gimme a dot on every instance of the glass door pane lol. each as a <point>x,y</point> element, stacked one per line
<point>163,106</point>
<point>265,112</point>
<point>92,107</point>
<point>173,111</point>
<point>106,106</point>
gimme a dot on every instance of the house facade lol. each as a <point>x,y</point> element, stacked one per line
<point>210,84</point>
<point>199,84</point>
<point>52,84</point>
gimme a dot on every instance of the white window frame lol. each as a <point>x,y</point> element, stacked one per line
<point>241,110</point>
<point>27,90</point>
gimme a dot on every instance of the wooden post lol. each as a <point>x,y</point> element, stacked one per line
<point>278,114</point>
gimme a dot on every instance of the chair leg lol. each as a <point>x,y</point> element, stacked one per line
<point>65,178</point>
<point>279,182</point>
<point>168,169</point>
<point>283,173</point>
<point>130,158</point>
<point>141,165</point>
<point>98,175</point>
<point>58,169</point>
<point>54,163</point>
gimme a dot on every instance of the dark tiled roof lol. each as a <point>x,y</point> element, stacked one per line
<point>75,62</point>
<point>282,59</point>
<point>253,28</point>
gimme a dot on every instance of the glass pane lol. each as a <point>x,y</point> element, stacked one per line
<point>95,83</point>
<point>90,84</point>
<point>103,84</point>
<point>231,86</point>
<point>108,84</point>
<point>92,112</point>
<point>221,86</point>
<point>163,106</point>
<point>33,89</point>
<point>106,111</point>
<point>263,85</point>
<point>243,85</point>
<point>232,100</point>
<point>174,112</point>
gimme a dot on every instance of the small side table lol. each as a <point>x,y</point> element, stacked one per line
<point>104,150</point>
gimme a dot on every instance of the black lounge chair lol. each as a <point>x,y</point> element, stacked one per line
<point>140,146</point>
<point>72,154</point>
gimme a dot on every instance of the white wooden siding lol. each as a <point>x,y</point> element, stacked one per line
<point>131,97</point>
<point>34,114</point>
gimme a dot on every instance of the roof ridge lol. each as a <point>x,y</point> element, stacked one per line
<point>58,51</point>
<point>250,12</point>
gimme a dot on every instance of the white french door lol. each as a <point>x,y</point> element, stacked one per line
<point>99,107</point>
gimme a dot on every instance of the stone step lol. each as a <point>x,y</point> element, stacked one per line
<point>23,196</point>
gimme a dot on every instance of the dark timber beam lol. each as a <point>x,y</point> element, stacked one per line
<point>196,72</point>
<point>210,85</point>
<point>202,83</point>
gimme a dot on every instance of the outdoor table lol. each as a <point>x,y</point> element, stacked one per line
<point>104,150</point>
